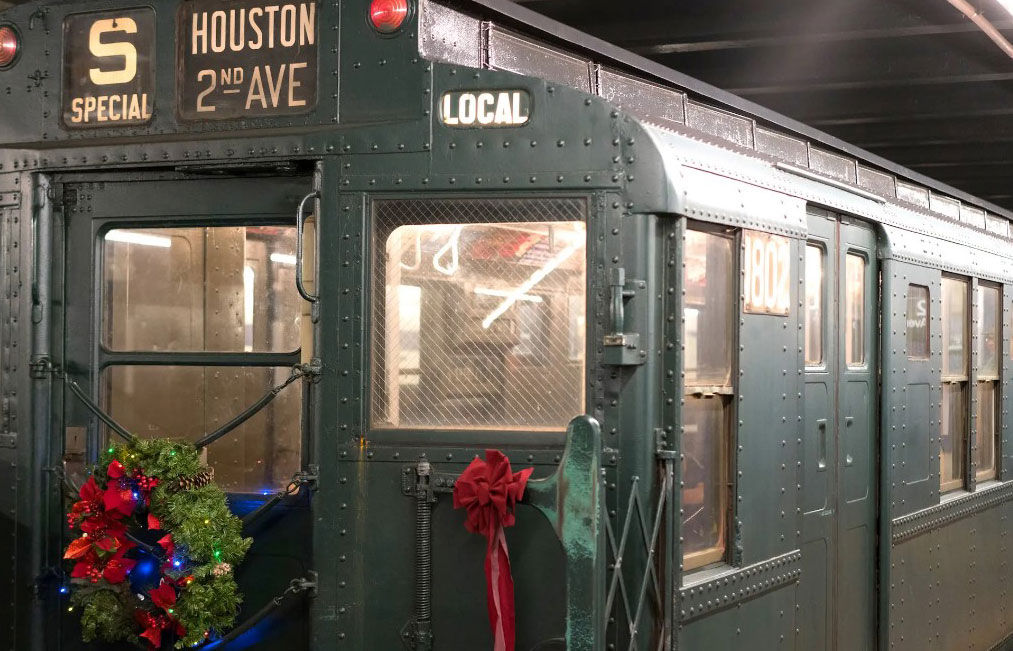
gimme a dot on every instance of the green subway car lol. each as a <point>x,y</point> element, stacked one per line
<point>762,377</point>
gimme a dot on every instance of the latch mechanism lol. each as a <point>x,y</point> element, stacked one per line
<point>622,348</point>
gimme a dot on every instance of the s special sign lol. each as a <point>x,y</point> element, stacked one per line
<point>109,68</point>
<point>246,58</point>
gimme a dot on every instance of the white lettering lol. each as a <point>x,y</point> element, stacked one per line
<point>201,33</point>
<point>288,26</point>
<point>293,84</point>
<point>255,45</point>
<point>307,23</point>
<point>120,49</point>
<point>466,108</point>
<point>485,101</point>
<point>237,36</point>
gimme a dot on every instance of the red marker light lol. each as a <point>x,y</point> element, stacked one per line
<point>387,16</point>
<point>9,45</point>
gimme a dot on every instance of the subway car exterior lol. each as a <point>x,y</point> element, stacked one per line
<point>762,377</point>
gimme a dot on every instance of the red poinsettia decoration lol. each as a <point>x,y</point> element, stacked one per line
<point>164,597</point>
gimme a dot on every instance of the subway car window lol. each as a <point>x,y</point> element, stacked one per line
<point>708,333</point>
<point>854,336</point>
<point>814,305</point>
<point>261,454</point>
<point>988,338</point>
<point>221,288</point>
<point>953,435</point>
<point>918,322</point>
<point>481,325</point>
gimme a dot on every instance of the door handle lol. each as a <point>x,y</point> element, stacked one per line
<point>848,459</point>
<point>821,428</point>
<point>300,221</point>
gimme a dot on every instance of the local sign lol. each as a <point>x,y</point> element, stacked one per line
<point>485,108</point>
<point>109,68</point>
<point>246,58</point>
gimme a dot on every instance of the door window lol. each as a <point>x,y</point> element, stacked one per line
<point>200,290</point>
<point>215,288</point>
<point>988,338</point>
<point>814,287</point>
<point>854,298</point>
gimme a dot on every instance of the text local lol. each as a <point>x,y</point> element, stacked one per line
<point>270,26</point>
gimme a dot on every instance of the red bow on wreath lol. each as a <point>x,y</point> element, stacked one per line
<point>488,490</point>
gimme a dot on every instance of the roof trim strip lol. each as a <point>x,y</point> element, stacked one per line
<point>557,31</point>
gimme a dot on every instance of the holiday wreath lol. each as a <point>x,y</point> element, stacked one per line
<point>154,562</point>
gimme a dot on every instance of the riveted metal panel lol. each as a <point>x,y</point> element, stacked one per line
<point>728,126</point>
<point>998,225</point>
<point>780,146</point>
<point>948,208</point>
<point>719,199</point>
<point>950,581</point>
<point>950,256</point>
<point>515,53</point>
<point>912,193</point>
<point>972,215</point>
<point>879,182</point>
<point>649,102</point>
<point>13,471</point>
<point>768,621</point>
<point>1006,373</point>
<point>449,36</point>
<point>768,432</point>
<point>833,165</point>
<point>911,393</point>
<point>731,587</point>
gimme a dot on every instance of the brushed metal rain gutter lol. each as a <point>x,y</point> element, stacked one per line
<point>965,7</point>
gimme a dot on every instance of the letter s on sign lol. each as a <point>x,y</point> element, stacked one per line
<point>121,49</point>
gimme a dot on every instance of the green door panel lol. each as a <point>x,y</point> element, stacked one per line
<point>838,599</point>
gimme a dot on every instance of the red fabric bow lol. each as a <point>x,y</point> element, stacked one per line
<point>489,491</point>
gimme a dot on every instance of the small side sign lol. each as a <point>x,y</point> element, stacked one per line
<point>246,58</point>
<point>485,108</point>
<point>109,68</point>
<point>768,273</point>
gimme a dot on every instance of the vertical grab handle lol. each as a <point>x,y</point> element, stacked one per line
<point>821,427</point>
<point>300,220</point>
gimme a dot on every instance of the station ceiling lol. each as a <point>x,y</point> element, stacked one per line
<point>914,81</point>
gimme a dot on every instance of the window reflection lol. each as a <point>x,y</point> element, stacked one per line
<point>220,288</point>
<point>988,335</point>
<point>854,336</point>
<point>481,325</point>
<point>813,305</point>
<point>708,341</point>
<point>953,434</point>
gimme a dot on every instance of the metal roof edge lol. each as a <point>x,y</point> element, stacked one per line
<point>559,32</point>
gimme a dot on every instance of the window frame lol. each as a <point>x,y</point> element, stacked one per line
<point>507,437</point>
<point>703,560</point>
<point>928,323</point>
<point>102,357</point>
<point>977,381</point>
<point>961,380</point>
<point>821,246</point>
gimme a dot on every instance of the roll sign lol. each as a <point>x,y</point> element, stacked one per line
<point>109,68</point>
<point>768,273</point>
<point>485,108</point>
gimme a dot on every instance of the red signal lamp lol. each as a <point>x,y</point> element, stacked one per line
<point>387,16</point>
<point>10,46</point>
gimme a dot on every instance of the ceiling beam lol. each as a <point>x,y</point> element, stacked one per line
<point>660,47</point>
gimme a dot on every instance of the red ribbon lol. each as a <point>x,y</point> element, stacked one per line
<point>489,491</point>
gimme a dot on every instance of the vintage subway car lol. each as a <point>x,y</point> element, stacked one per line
<point>762,376</point>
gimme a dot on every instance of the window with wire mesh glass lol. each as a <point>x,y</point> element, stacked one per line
<point>479,312</point>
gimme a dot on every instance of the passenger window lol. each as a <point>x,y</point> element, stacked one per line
<point>479,325</point>
<point>854,337</point>
<point>709,336</point>
<point>988,336</point>
<point>203,289</point>
<point>918,322</point>
<point>953,434</point>
<point>813,305</point>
